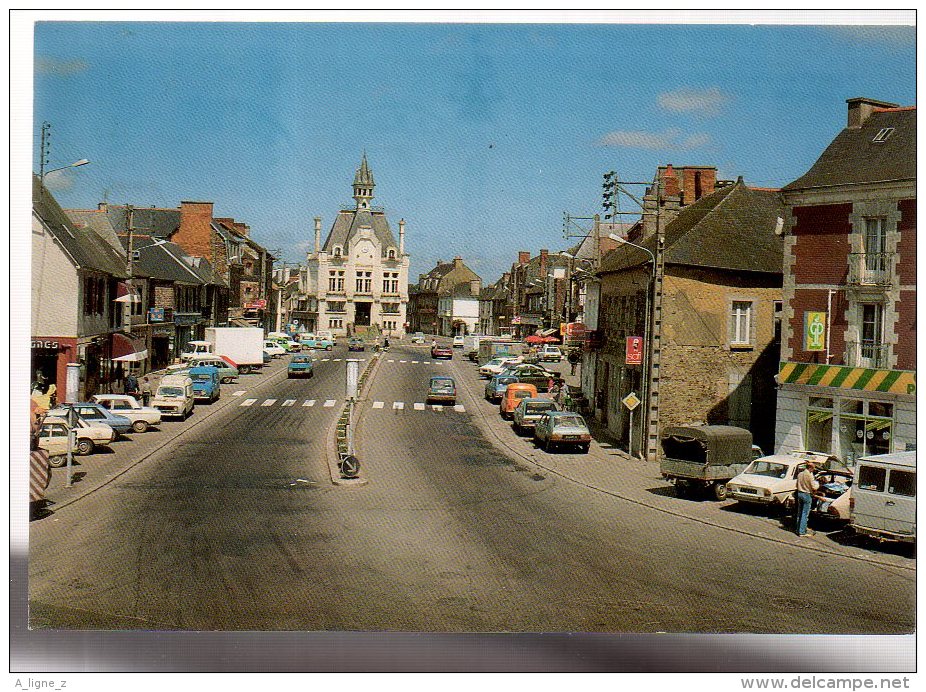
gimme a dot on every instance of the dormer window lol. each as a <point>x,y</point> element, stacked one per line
<point>337,251</point>
<point>882,135</point>
<point>391,254</point>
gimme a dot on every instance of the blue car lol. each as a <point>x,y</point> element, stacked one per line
<point>94,413</point>
<point>300,365</point>
<point>496,386</point>
<point>206,383</point>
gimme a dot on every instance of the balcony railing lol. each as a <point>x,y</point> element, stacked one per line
<point>867,355</point>
<point>871,268</point>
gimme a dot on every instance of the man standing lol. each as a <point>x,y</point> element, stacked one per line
<point>145,391</point>
<point>806,485</point>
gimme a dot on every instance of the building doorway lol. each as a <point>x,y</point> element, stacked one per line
<point>362,314</point>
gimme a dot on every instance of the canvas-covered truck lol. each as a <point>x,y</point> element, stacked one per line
<point>705,457</point>
<point>492,348</point>
<point>243,346</point>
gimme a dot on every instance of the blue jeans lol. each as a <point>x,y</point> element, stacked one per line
<point>804,501</point>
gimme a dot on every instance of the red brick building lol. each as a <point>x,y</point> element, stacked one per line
<point>848,371</point>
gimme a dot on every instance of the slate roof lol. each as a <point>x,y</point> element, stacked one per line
<point>86,248</point>
<point>853,158</point>
<point>165,261</point>
<point>348,221</point>
<point>154,221</point>
<point>98,221</point>
<point>732,228</point>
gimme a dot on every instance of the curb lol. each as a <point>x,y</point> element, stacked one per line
<point>332,446</point>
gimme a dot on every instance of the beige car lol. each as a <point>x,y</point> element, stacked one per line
<point>142,417</point>
<point>54,438</point>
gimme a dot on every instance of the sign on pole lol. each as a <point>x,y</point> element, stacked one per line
<point>814,331</point>
<point>634,353</point>
<point>631,401</point>
<point>353,375</point>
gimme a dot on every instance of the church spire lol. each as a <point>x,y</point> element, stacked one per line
<point>363,184</point>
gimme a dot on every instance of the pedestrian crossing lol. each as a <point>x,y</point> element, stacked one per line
<point>331,403</point>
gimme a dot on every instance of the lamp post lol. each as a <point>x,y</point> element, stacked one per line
<point>646,332</point>
<point>43,173</point>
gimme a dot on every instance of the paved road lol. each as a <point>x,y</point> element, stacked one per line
<point>239,528</point>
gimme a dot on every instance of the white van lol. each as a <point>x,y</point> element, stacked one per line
<point>883,502</point>
<point>174,396</point>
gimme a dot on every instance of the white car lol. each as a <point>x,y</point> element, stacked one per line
<point>273,348</point>
<point>418,338</point>
<point>142,417</point>
<point>496,365</point>
<point>772,480</point>
<point>459,341</point>
<point>550,353</point>
<point>54,438</point>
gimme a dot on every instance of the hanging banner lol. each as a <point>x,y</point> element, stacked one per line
<point>634,354</point>
<point>814,331</point>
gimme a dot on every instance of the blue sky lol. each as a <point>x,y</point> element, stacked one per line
<point>479,135</point>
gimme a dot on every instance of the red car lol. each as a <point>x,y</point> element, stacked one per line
<point>441,352</point>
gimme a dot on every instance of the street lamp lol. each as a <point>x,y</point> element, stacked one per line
<point>81,162</point>
<point>646,335</point>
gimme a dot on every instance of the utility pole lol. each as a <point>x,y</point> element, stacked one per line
<point>43,149</point>
<point>127,308</point>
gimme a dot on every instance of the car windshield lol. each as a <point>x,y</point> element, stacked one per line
<point>300,359</point>
<point>536,407</point>
<point>771,469</point>
<point>522,394</point>
<point>442,385</point>
<point>170,391</point>
<point>571,421</point>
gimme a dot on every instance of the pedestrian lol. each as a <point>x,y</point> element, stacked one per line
<point>806,485</point>
<point>573,361</point>
<point>145,391</point>
<point>131,385</point>
<point>564,401</point>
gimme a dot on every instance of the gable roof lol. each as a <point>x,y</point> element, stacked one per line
<point>86,248</point>
<point>853,157</point>
<point>154,221</point>
<point>732,228</point>
<point>162,260</point>
<point>349,221</point>
<point>98,221</point>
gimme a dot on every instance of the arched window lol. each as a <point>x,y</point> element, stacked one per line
<point>337,251</point>
<point>391,254</point>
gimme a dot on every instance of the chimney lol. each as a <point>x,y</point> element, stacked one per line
<point>524,257</point>
<point>457,261</point>
<point>401,237</point>
<point>543,261</point>
<point>318,234</point>
<point>242,229</point>
<point>670,182</point>
<point>861,108</point>
<point>697,182</point>
<point>102,206</point>
<point>195,232</point>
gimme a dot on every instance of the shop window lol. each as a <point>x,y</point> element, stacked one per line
<point>902,483</point>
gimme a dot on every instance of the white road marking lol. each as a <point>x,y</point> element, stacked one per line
<point>419,407</point>
<point>269,402</point>
<point>325,360</point>
<point>239,392</point>
<point>336,360</point>
<point>437,407</point>
<point>415,362</point>
<point>248,402</point>
<point>378,404</point>
<point>459,408</point>
<point>329,403</point>
<point>309,402</point>
<point>390,361</point>
<point>289,402</point>
<point>398,405</point>
<point>403,361</point>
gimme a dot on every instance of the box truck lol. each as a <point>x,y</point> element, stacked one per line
<point>243,347</point>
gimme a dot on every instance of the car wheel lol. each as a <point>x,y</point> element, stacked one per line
<point>140,426</point>
<point>584,448</point>
<point>58,461</point>
<point>84,446</point>
<point>720,490</point>
<point>327,348</point>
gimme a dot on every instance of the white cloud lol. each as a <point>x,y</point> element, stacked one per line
<point>706,101</point>
<point>47,65</point>
<point>57,181</point>
<point>671,139</point>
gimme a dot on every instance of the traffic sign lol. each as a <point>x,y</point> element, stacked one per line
<point>631,401</point>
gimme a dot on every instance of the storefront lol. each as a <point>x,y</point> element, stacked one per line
<point>849,412</point>
<point>50,356</point>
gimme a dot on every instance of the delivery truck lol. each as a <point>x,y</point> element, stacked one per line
<point>243,347</point>
<point>489,349</point>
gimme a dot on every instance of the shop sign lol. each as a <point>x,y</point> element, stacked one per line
<point>44,343</point>
<point>814,331</point>
<point>256,305</point>
<point>575,331</point>
<point>634,352</point>
<point>155,314</point>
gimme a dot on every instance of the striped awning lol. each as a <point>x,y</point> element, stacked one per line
<point>845,377</point>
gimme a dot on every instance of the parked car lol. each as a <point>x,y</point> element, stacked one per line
<point>418,338</point>
<point>273,347</point>
<point>514,392</point>
<point>883,502</point>
<point>95,413</point>
<point>496,365</point>
<point>206,383</point>
<point>174,396</point>
<point>356,344</point>
<point>442,389</point>
<point>53,438</point>
<point>327,335</point>
<point>459,341</point>
<point>834,495</point>
<point>227,371</point>
<point>550,353</point>
<point>316,342</point>
<point>560,428</point>
<point>439,351</point>
<point>300,365</point>
<point>529,411</point>
<point>496,386</point>
<point>772,480</point>
<point>142,417</point>
<point>540,377</point>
